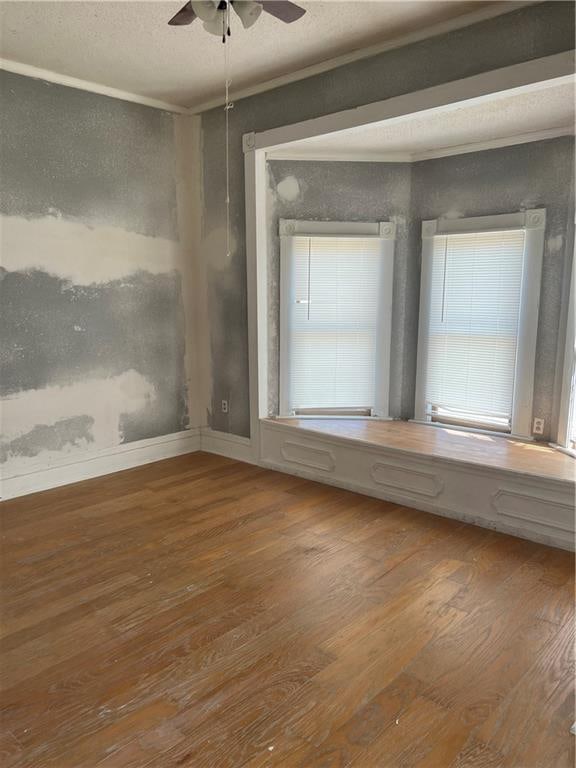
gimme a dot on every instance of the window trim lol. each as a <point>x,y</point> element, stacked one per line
<point>534,223</point>
<point>384,231</point>
<point>568,393</point>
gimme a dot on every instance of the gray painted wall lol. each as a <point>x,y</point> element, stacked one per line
<point>91,313</point>
<point>504,180</point>
<point>525,34</point>
<point>89,157</point>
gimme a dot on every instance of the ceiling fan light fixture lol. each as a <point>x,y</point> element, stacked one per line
<point>206,10</point>
<point>248,11</point>
<point>214,26</point>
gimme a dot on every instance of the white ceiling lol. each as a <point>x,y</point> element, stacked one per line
<point>129,46</point>
<point>503,119</point>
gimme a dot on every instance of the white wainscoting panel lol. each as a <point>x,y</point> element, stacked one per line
<point>540,509</point>
<point>546,512</point>
<point>408,479</point>
<point>307,456</point>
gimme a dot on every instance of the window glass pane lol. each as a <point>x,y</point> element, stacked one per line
<point>333,305</point>
<point>472,328</point>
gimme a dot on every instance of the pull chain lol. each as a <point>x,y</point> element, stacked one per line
<point>228,105</point>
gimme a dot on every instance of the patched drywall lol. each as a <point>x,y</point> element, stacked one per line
<point>339,191</point>
<point>95,340</point>
<point>535,175</point>
<point>525,34</point>
<point>54,438</point>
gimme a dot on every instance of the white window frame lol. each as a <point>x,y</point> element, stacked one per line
<point>534,223</point>
<point>385,231</point>
<point>568,395</point>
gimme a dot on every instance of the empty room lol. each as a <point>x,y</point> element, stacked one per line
<point>287,384</point>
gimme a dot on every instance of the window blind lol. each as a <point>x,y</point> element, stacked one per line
<point>572,426</point>
<point>471,327</point>
<point>571,431</point>
<point>330,330</point>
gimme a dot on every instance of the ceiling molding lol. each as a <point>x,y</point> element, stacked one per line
<point>440,28</point>
<point>507,141</point>
<point>86,85</point>
<point>465,20</point>
<point>415,157</point>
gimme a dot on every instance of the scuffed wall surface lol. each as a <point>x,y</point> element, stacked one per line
<point>528,33</point>
<point>340,191</point>
<point>535,175</point>
<point>92,350</point>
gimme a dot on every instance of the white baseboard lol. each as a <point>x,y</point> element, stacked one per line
<point>226,444</point>
<point>104,462</point>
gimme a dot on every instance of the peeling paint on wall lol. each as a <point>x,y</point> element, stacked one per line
<point>82,254</point>
<point>55,332</point>
<point>74,432</point>
<point>288,189</point>
<point>30,418</point>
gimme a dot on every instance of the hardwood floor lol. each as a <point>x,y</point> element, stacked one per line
<point>533,458</point>
<point>206,613</point>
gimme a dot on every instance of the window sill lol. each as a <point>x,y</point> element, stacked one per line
<point>463,428</point>
<point>563,449</point>
<point>310,416</point>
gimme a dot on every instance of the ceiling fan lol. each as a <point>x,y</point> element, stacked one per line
<point>215,13</point>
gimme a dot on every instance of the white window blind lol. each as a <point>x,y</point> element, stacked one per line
<point>572,423</point>
<point>570,441</point>
<point>332,327</point>
<point>470,327</point>
<point>567,413</point>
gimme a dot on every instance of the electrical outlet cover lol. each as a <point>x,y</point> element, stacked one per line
<point>538,427</point>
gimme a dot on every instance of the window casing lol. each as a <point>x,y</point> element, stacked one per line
<point>335,317</point>
<point>567,416</point>
<point>479,297</point>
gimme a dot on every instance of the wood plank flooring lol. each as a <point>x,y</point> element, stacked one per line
<point>206,613</point>
<point>532,458</point>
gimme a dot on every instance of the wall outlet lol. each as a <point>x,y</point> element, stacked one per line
<point>224,406</point>
<point>538,428</point>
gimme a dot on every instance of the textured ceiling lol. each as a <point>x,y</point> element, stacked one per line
<point>129,46</point>
<point>547,108</point>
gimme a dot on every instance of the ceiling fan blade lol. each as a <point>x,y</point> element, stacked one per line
<point>185,15</point>
<point>248,11</point>
<point>283,10</point>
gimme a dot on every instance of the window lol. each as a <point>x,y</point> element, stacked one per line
<point>571,436</point>
<point>567,421</point>
<point>335,317</point>
<point>479,297</point>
